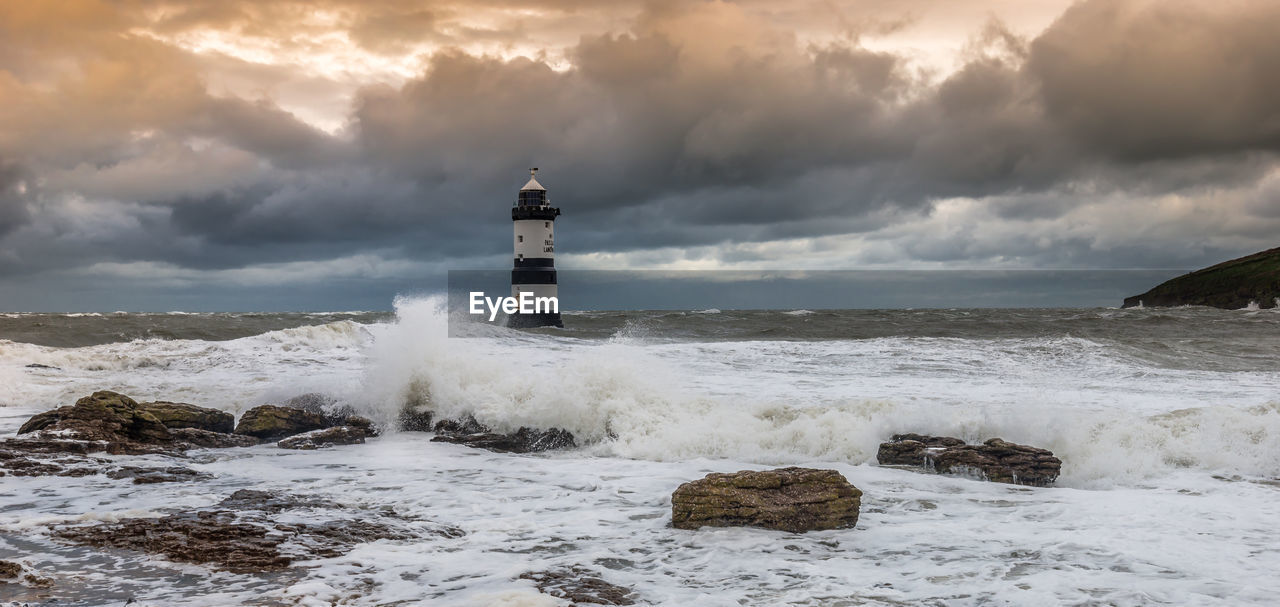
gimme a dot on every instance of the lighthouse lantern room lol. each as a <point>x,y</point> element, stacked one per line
<point>535,252</point>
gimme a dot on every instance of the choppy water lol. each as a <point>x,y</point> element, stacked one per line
<point>1168,423</point>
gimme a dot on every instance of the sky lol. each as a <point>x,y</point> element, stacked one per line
<point>330,154</point>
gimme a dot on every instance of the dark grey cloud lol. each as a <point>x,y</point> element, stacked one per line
<point>1150,81</point>
<point>697,127</point>
<point>13,200</point>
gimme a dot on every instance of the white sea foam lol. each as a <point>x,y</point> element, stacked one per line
<point>783,402</point>
<point>1167,494</point>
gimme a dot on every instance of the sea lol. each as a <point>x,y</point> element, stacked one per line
<point>1167,422</point>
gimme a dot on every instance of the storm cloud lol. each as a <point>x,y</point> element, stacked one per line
<point>210,141</point>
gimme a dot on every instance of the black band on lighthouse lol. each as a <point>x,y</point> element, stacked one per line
<point>533,277</point>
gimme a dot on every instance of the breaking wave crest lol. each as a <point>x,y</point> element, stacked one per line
<point>627,400</point>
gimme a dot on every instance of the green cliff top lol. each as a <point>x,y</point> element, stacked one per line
<point>1231,284</point>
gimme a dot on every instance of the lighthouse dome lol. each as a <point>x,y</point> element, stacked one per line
<point>533,185</point>
<point>532,194</point>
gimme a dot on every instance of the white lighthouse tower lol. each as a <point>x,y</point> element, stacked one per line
<point>535,252</point>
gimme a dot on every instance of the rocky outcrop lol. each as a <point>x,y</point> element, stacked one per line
<point>338,435</point>
<point>9,570</point>
<point>333,410</point>
<point>115,423</point>
<point>35,457</point>
<point>182,415</point>
<point>236,535</point>
<point>1002,462</point>
<point>912,449</point>
<point>994,460</point>
<point>579,585</point>
<point>13,572</point>
<point>786,499</point>
<point>147,476</point>
<point>194,437</point>
<point>103,417</point>
<point>464,425</point>
<point>525,440</point>
<point>1231,284</point>
<point>298,415</point>
<point>273,422</point>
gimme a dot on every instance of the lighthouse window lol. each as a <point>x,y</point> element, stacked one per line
<point>520,238</point>
<point>546,224</point>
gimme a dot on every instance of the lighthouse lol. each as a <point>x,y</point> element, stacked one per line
<point>535,251</point>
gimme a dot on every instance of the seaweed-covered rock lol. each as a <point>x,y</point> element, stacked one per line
<point>995,460</point>
<point>182,415</point>
<point>338,435</point>
<point>787,499</point>
<point>273,422</point>
<point>524,440</point>
<point>104,416</point>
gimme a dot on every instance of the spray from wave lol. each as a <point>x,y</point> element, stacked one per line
<point>624,397</point>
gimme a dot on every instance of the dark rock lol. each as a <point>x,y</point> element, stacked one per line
<point>338,435</point>
<point>13,572</point>
<point>787,499</point>
<point>524,440</point>
<point>104,416</point>
<point>995,460</point>
<point>37,581</point>
<point>323,404</point>
<point>337,413</point>
<point>265,501</point>
<point>146,476</point>
<point>414,419</point>
<point>40,457</point>
<point>336,538</point>
<point>40,366</point>
<point>272,422</point>
<point>214,538</point>
<point>48,446</point>
<point>9,570</point>
<point>28,457</point>
<point>466,425</point>
<point>1231,284</point>
<point>300,414</point>
<point>930,441</point>
<point>579,585</point>
<point>194,437</point>
<point>912,449</point>
<point>182,415</point>
<point>239,536</point>
<point>1002,462</point>
<point>360,423</point>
